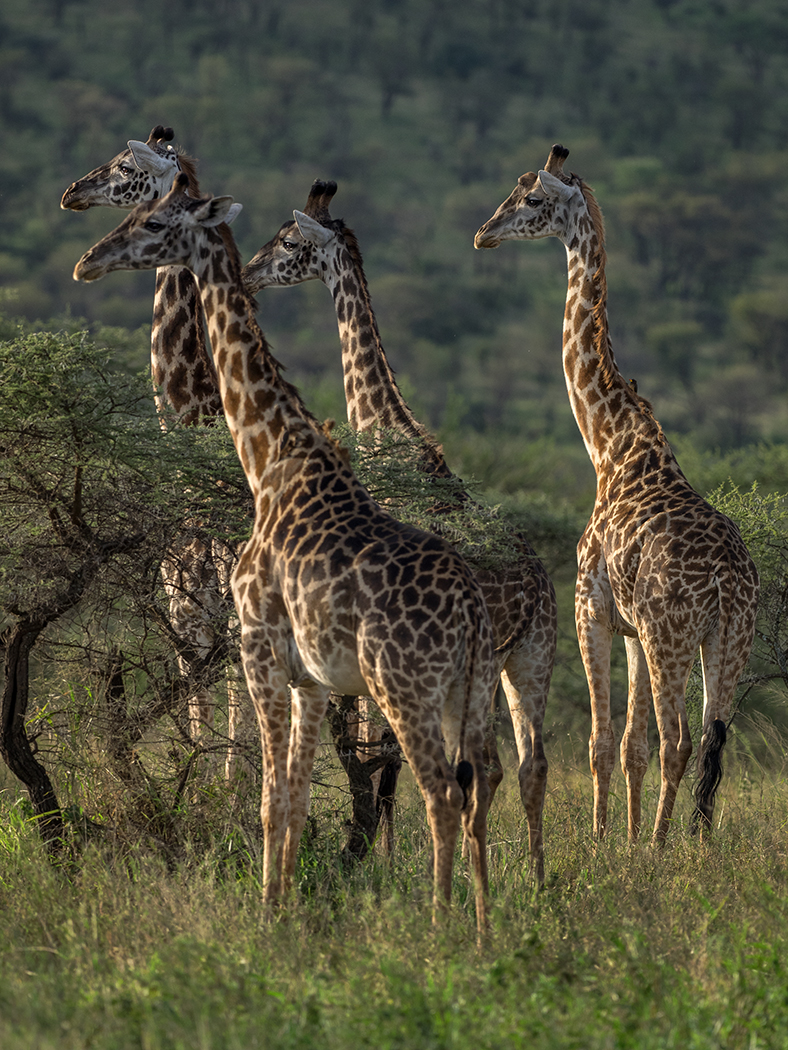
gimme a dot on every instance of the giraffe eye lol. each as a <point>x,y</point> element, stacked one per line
<point>534,202</point>
<point>125,170</point>
<point>154,226</point>
<point>289,246</point>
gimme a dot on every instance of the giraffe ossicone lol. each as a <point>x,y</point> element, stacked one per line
<point>331,591</point>
<point>656,563</point>
<point>519,596</point>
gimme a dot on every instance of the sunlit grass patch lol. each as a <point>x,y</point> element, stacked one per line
<point>626,946</point>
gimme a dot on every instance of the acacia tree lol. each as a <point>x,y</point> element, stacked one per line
<point>763,520</point>
<point>92,496</point>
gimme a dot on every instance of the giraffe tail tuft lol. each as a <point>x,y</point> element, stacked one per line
<point>464,775</point>
<point>710,773</point>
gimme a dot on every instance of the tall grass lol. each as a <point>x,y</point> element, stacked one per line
<point>684,946</point>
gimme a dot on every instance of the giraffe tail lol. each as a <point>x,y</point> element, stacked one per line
<point>710,773</point>
<point>464,775</point>
<point>464,770</point>
<point>474,617</point>
<point>710,758</point>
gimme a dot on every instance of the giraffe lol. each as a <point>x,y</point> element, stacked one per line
<point>656,563</point>
<point>331,591</point>
<point>520,597</point>
<point>195,573</point>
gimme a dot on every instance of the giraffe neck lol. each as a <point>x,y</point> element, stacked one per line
<point>181,366</point>
<point>607,409</point>
<point>264,413</point>
<point>371,392</point>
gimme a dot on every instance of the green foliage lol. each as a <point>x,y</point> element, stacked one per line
<point>426,114</point>
<point>626,947</point>
<point>763,521</point>
<point>83,455</point>
<point>94,495</point>
<point>388,463</point>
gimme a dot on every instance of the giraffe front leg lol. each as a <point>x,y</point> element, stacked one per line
<point>267,683</point>
<point>596,640</point>
<point>634,744</point>
<point>309,703</point>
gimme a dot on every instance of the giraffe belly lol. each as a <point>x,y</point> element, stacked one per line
<point>326,657</point>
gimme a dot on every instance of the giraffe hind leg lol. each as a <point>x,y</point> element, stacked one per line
<point>669,683</point>
<point>634,743</point>
<point>721,672</point>
<point>476,789</point>
<point>420,740</point>
<point>526,695</point>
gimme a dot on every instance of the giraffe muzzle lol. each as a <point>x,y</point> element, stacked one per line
<point>485,239</point>
<point>88,269</point>
<point>72,199</point>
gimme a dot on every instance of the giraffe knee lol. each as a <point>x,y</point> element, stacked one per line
<point>601,752</point>
<point>448,791</point>
<point>634,758</point>
<point>532,772</point>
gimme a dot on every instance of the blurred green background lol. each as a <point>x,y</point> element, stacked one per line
<point>425,112</point>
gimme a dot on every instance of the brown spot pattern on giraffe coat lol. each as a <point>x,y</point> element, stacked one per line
<point>656,562</point>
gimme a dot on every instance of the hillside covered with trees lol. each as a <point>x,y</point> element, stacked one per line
<point>425,113</point>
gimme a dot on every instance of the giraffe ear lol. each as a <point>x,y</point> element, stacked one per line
<point>311,230</point>
<point>235,209</point>
<point>149,160</point>
<point>554,187</point>
<point>215,211</point>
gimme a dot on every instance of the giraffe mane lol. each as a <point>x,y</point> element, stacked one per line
<point>353,248</point>
<point>264,347</point>
<point>602,343</point>
<point>189,167</point>
<point>601,337</point>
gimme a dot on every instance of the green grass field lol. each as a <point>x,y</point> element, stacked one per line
<point>625,947</point>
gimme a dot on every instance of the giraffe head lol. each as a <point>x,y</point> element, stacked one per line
<point>539,206</point>
<point>170,231</point>
<point>299,251</point>
<point>143,172</point>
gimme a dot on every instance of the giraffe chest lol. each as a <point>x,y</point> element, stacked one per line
<point>357,588</point>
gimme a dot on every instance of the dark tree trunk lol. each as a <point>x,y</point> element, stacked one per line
<point>14,743</point>
<point>366,812</point>
<point>364,816</point>
<point>17,642</point>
